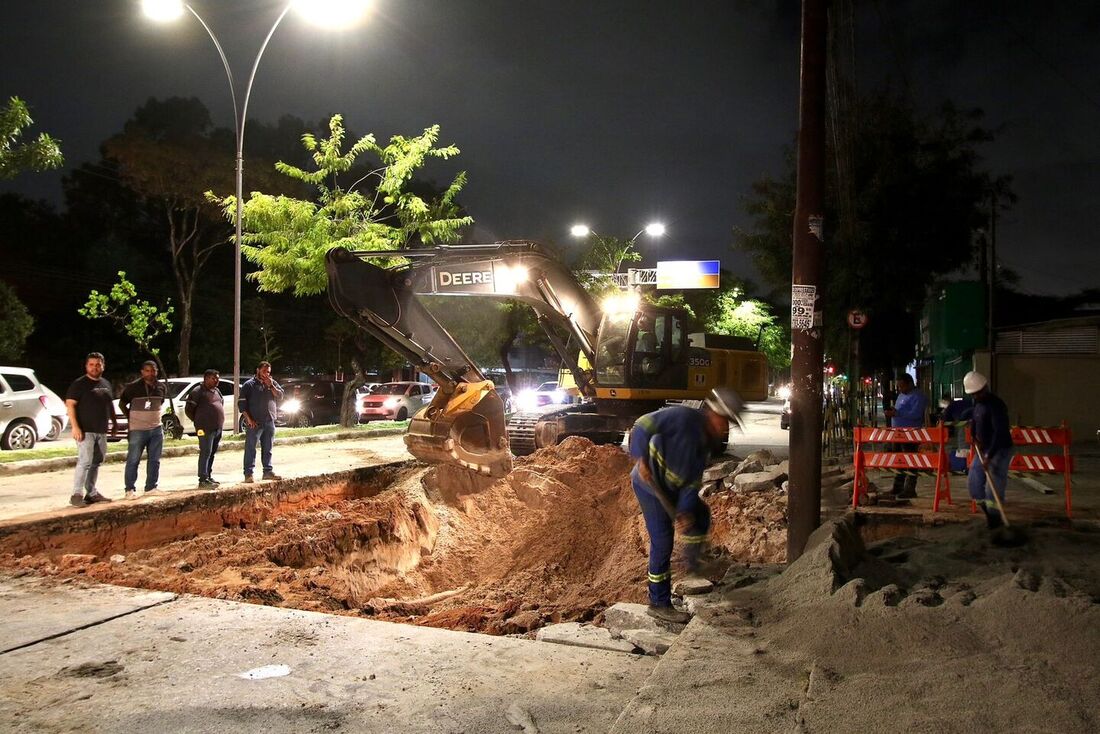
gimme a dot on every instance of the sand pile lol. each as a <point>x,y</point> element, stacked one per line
<point>942,633</point>
<point>558,539</point>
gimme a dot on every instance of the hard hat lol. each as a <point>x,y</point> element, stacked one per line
<point>973,382</point>
<point>727,403</point>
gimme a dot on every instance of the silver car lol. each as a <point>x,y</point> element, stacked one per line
<point>24,409</point>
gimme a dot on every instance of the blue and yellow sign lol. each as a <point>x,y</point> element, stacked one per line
<point>687,274</point>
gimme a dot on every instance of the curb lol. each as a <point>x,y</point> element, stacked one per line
<point>36,466</point>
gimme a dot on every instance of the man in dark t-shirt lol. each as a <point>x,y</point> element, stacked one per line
<point>88,401</point>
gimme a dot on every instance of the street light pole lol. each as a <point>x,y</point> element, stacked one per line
<point>239,117</point>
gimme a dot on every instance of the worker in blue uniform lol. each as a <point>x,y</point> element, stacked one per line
<point>992,433</point>
<point>670,448</point>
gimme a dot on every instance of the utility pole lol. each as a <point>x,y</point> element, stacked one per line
<point>804,505</point>
<point>992,288</point>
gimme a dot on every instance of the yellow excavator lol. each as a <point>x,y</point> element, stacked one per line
<point>626,358</point>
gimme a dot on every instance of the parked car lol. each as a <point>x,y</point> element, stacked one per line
<point>395,401</point>
<point>310,403</point>
<point>176,424</point>
<point>59,414</point>
<point>24,409</point>
<point>545,394</point>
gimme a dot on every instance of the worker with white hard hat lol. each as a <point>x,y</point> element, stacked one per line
<point>990,428</point>
<point>670,448</point>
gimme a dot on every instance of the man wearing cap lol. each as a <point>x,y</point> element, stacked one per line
<point>670,448</point>
<point>989,426</point>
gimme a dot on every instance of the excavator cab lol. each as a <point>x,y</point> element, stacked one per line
<point>642,348</point>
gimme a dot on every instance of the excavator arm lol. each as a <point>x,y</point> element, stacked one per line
<point>464,424</point>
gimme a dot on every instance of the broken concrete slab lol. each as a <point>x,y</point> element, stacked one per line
<point>721,470</point>
<point>692,586</point>
<point>758,481</point>
<point>34,610</point>
<point>578,634</point>
<point>627,616</point>
<point>196,664</point>
<point>653,642</point>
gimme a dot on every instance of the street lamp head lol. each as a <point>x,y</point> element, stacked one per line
<point>162,11</point>
<point>580,230</point>
<point>333,14</point>
<point>655,229</point>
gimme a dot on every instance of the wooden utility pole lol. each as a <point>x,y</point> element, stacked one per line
<point>804,505</point>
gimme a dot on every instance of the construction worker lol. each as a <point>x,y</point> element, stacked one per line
<point>992,435</point>
<point>908,412</point>
<point>671,447</point>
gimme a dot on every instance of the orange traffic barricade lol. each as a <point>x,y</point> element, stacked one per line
<point>928,456</point>
<point>1039,463</point>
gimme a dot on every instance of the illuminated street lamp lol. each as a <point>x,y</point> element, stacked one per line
<point>330,14</point>
<point>653,229</point>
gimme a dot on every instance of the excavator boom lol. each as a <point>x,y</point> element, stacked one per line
<point>464,424</point>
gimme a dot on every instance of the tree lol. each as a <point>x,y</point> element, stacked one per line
<point>288,237</point>
<point>917,198</point>
<point>16,324</point>
<point>170,154</point>
<point>136,317</point>
<point>40,154</point>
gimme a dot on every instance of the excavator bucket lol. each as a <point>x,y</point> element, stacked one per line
<point>465,427</point>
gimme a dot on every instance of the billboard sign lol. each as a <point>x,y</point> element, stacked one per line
<point>682,274</point>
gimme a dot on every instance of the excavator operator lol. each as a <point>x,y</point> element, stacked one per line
<point>670,448</point>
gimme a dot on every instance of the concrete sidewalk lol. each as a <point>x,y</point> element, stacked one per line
<point>48,491</point>
<point>121,660</point>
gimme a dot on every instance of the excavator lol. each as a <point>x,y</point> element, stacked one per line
<point>625,358</point>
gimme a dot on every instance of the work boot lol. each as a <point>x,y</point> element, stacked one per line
<point>249,479</point>
<point>668,614</point>
<point>271,476</point>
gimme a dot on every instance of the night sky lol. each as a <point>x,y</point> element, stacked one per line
<point>610,113</point>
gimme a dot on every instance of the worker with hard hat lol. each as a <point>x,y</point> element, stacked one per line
<point>671,448</point>
<point>992,434</point>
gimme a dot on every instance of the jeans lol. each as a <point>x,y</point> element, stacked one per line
<point>208,446</point>
<point>152,441</point>
<point>265,432</point>
<point>661,529</point>
<point>89,455</point>
<point>978,486</point>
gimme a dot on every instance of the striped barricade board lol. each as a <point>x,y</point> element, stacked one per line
<point>875,448</point>
<point>1056,459</point>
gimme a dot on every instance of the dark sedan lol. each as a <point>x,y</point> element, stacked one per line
<point>310,403</point>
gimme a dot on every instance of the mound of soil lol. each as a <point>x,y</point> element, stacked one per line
<point>558,539</point>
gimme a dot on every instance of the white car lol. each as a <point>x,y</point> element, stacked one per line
<point>395,401</point>
<point>24,409</point>
<point>176,424</point>
<point>547,393</point>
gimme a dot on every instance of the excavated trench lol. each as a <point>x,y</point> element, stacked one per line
<point>558,539</point>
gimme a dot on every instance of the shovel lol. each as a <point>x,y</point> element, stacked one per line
<point>1007,535</point>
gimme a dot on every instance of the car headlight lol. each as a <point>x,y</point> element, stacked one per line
<point>557,396</point>
<point>784,392</point>
<point>527,400</point>
<point>292,406</point>
<point>391,403</point>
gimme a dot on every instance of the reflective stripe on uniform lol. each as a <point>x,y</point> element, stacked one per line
<point>672,479</point>
<point>656,578</point>
<point>646,423</point>
<point>693,538</point>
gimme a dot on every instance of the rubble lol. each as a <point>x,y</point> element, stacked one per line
<point>692,586</point>
<point>625,616</point>
<point>577,634</point>
<point>652,642</point>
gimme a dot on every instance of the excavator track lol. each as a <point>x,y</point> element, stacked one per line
<point>521,432</point>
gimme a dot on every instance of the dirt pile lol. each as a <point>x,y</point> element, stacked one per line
<point>559,539</point>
